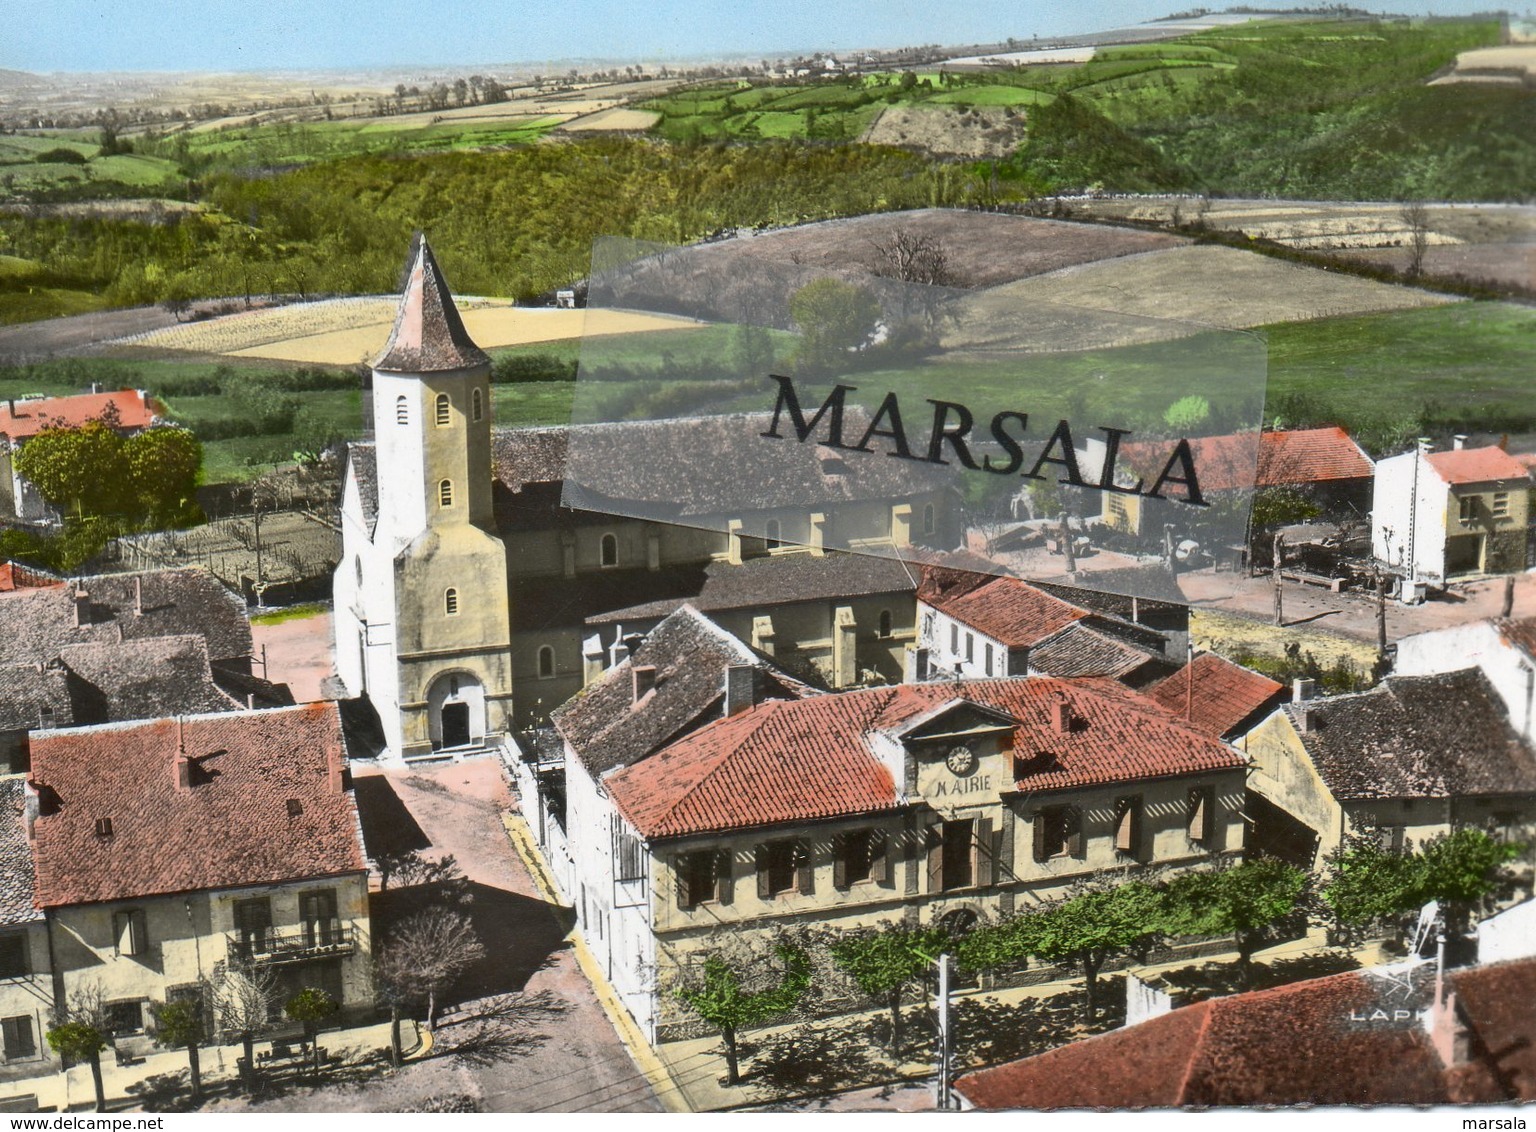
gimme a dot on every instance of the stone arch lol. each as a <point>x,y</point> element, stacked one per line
<point>456,710</point>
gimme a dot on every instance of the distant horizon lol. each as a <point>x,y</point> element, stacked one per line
<point>220,36</point>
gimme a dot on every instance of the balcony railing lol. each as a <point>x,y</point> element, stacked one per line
<point>291,945</point>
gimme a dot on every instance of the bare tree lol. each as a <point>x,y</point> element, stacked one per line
<point>912,257</point>
<point>424,956</point>
<point>242,997</point>
<point>1415,217</point>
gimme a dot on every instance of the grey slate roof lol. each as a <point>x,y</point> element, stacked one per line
<point>1079,650</point>
<point>672,469</point>
<point>782,580</point>
<point>428,334</point>
<point>143,679</point>
<point>1417,737</point>
<point>364,462</point>
<point>17,883</point>
<point>606,728</point>
<point>26,689</point>
<point>36,624</point>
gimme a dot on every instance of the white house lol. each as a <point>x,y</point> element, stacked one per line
<point>1505,650</point>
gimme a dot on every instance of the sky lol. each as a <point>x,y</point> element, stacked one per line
<point>219,35</point>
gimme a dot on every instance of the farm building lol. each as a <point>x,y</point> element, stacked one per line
<point>128,411</point>
<point>1437,517</point>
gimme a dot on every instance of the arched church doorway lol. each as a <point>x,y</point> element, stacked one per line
<point>456,711</point>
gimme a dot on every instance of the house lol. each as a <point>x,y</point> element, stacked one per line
<point>978,626</point>
<point>1413,758</point>
<point>166,850</point>
<point>119,647</point>
<point>1504,650</point>
<point>946,801</point>
<point>579,522</point>
<point>26,985</point>
<point>127,411</point>
<point>1214,695</point>
<point>1370,1037</point>
<point>1438,517</point>
<point>1324,463</point>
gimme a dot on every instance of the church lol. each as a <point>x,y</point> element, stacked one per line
<point>471,600</point>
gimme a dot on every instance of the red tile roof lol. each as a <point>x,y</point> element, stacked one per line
<point>1215,695</point>
<point>21,419</point>
<point>1268,459</point>
<point>14,577</point>
<point>1477,465</point>
<point>233,827</point>
<point>1313,1042</point>
<point>1009,610</point>
<point>1519,633</point>
<point>811,759</point>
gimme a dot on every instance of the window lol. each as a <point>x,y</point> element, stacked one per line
<point>927,518</point>
<point>783,867</point>
<point>609,550</point>
<point>445,493</point>
<point>13,956</point>
<point>771,533</point>
<point>927,627</point>
<point>987,663</point>
<point>628,857</point>
<point>1468,505</point>
<point>20,1040</point>
<point>703,877</point>
<point>317,910</point>
<point>295,807</point>
<point>858,857</point>
<point>128,928</point>
<point>1128,827</point>
<point>1501,505</point>
<point>402,411</point>
<point>477,404</point>
<point>444,414</point>
<point>970,648</point>
<point>1058,833</point>
<point>885,623</point>
<point>103,827</point>
<point>957,869</point>
<point>357,565</point>
<point>1202,814</point>
<point>125,1017</point>
<point>954,639</point>
<point>451,602</point>
<point>253,920</point>
<point>546,662</point>
<point>1116,511</point>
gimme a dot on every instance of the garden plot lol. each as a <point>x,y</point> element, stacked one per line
<point>617,118</point>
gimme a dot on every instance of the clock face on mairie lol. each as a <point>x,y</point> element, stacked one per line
<point>961,760</point>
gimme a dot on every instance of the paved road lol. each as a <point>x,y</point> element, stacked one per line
<point>567,1061</point>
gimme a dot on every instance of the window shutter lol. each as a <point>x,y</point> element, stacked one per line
<point>1039,827</point>
<point>725,880</point>
<point>18,1037</point>
<point>880,857</point>
<point>1128,826</point>
<point>805,869</point>
<point>1199,814</point>
<point>1074,820</point>
<point>839,861</point>
<point>761,853</point>
<point>984,870</point>
<point>130,932</point>
<point>935,845</point>
<point>680,872</point>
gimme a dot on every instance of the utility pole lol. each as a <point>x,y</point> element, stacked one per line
<point>1279,581</point>
<point>1381,619</point>
<point>945,1038</point>
<point>1508,608</point>
<point>1066,544</point>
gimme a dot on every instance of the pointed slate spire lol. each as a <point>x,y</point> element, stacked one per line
<point>428,336</point>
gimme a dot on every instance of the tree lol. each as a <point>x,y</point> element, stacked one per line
<point>1460,869</point>
<point>1415,217</point>
<point>885,961</point>
<point>1368,884</point>
<point>80,469</point>
<point>424,955</point>
<point>162,466</point>
<point>913,258</point>
<point>82,1041</point>
<point>752,352</point>
<point>179,1024</point>
<point>834,318</point>
<point>242,997</point>
<point>1186,413</point>
<point>1240,901</point>
<point>310,1007</point>
<point>1091,927</point>
<point>724,1003</point>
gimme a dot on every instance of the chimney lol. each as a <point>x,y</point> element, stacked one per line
<point>183,771</point>
<point>618,652</point>
<point>335,772</point>
<point>1061,716</point>
<point>1426,445</point>
<point>740,688</point>
<point>250,701</point>
<point>138,595</point>
<point>1302,689</point>
<point>82,609</point>
<point>644,676</point>
<point>32,807</point>
<point>1458,442</point>
<point>1306,719</point>
<point>1447,1033</point>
